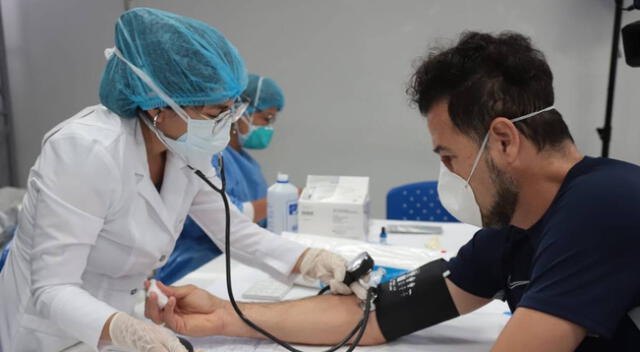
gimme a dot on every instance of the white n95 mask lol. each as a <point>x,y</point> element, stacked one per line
<point>457,197</point>
<point>203,139</point>
<point>456,194</point>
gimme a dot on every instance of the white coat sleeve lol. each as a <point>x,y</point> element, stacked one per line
<point>76,182</point>
<point>250,243</point>
<point>248,210</point>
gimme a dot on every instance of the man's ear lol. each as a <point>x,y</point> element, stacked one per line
<point>504,141</point>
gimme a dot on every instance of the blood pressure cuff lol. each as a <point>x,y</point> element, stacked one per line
<point>414,301</point>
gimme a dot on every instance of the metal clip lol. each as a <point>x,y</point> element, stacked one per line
<point>373,305</point>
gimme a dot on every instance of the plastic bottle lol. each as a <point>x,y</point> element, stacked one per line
<point>282,206</point>
<point>383,236</point>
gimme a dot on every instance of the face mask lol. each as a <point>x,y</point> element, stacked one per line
<point>203,138</point>
<point>258,137</point>
<point>456,195</point>
<point>198,145</point>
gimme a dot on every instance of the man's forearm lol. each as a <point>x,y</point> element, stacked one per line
<point>321,320</point>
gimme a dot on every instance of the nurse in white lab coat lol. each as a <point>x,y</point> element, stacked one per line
<point>106,199</point>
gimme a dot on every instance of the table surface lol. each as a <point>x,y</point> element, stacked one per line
<point>453,236</point>
<point>473,332</point>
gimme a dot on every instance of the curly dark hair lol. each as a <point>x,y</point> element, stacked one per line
<point>485,76</point>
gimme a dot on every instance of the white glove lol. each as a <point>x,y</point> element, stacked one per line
<point>142,336</point>
<point>329,268</point>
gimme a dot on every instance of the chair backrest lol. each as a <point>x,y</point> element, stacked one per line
<point>417,201</point>
<point>4,253</point>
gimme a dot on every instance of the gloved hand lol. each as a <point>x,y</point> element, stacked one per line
<point>329,268</point>
<point>142,336</point>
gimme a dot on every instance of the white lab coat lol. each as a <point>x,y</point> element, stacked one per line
<point>93,226</point>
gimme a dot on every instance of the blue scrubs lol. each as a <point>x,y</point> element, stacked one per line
<point>245,183</point>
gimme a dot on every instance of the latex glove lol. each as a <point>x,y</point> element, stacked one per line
<point>329,268</point>
<point>359,290</point>
<point>142,336</point>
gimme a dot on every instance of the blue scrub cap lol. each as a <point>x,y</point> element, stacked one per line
<point>190,61</point>
<point>263,93</point>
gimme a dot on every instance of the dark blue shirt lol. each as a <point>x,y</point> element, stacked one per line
<point>579,262</point>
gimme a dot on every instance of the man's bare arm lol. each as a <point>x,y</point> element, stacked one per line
<point>321,320</point>
<point>316,320</point>
<point>464,301</point>
<point>532,330</point>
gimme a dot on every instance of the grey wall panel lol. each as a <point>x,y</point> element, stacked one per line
<point>344,66</point>
<point>55,59</point>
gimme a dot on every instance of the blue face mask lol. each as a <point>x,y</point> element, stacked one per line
<point>203,139</point>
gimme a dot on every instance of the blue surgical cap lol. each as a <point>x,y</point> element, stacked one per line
<point>189,60</point>
<point>269,95</point>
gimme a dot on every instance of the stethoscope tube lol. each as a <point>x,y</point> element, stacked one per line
<point>358,329</point>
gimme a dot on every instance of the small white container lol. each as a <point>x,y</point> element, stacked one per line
<point>282,206</point>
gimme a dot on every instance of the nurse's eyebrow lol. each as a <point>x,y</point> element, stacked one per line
<point>438,149</point>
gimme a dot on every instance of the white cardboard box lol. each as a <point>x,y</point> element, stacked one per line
<point>335,206</point>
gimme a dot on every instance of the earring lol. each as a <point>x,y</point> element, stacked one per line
<point>155,120</point>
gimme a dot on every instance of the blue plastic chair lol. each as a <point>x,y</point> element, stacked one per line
<point>7,239</point>
<point>417,201</point>
<point>4,254</point>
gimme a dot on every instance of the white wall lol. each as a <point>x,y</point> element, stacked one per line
<point>344,66</point>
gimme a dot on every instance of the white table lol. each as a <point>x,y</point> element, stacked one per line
<point>473,332</point>
<point>453,237</point>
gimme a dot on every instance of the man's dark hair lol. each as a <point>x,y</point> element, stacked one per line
<point>485,76</point>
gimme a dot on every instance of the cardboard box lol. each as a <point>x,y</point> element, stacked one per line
<point>335,206</point>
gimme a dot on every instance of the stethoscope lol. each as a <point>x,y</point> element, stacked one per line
<point>358,268</point>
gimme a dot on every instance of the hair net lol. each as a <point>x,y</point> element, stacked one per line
<point>263,93</point>
<point>189,60</point>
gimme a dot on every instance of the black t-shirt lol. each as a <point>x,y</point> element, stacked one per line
<point>579,262</point>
